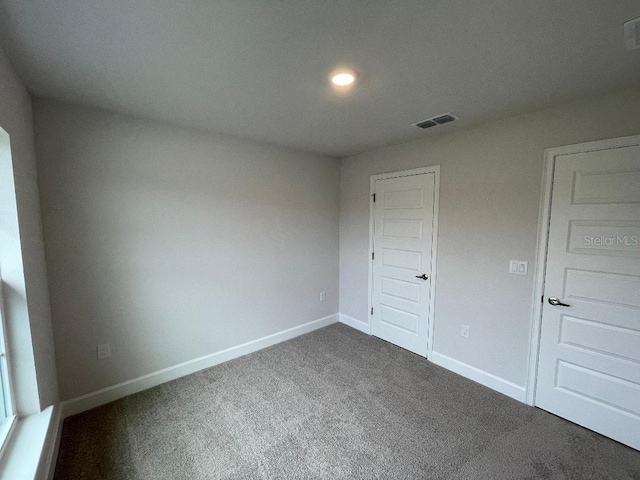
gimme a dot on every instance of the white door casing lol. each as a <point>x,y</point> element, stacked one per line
<point>588,368</point>
<point>404,228</point>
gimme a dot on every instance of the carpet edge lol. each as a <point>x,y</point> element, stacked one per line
<point>355,323</point>
<point>109,394</point>
<point>515,391</point>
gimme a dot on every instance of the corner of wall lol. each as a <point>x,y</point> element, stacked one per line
<point>26,293</point>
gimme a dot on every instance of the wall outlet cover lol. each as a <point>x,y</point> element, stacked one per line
<point>465,331</point>
<point>104,351</point>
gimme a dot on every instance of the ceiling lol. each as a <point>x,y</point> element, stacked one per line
<point>258,69</point>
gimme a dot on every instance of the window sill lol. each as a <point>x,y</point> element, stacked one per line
<point>27,447</point>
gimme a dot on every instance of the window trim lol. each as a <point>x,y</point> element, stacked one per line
<point>9,422</point>
<point>5,432</point>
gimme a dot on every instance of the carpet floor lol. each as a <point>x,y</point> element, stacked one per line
<point>335,403</point>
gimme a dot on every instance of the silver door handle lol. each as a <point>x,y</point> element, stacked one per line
<point>557,303</point>
<point>423,276</point>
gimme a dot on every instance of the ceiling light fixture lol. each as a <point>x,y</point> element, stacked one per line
<point>343,78</point>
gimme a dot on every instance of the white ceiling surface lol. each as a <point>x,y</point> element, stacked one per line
<point>258,69</point>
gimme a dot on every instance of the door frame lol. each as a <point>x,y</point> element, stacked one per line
<point>435,169</point>
<point>544,218</point>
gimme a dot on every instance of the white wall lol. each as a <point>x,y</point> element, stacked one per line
<point>172,244</point>
<point>489,197</point>
<point>22,264</point>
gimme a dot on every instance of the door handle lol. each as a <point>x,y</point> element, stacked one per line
<point>423,276</point>
<point>557,303</point>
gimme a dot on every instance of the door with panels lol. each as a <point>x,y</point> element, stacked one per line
<point>589,358</point>
<point>403,258</point>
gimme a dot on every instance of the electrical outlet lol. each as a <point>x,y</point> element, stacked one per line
<point>323,296</point>
<point>464,331</point>
<point>104,351</point>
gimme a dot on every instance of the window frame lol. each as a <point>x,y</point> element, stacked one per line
<point>9,422</point>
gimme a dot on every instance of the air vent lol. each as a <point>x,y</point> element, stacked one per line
<point>426,124</point>
<point>632,34</point>
<point>437,120</point>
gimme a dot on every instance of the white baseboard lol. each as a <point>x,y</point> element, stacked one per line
<point>115,392</point>
<point>354,323</point>
<point>494,382</point>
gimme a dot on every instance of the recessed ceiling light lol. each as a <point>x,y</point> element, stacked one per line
<point>343,78</point>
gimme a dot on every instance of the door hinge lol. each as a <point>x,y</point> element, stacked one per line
<point>373,255</point>
<point>542,299</point>
<point>374,198</point>
<point>371,310</point>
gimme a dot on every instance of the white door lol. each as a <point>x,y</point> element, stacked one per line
<point>589,360</point>
<point>402,244</point>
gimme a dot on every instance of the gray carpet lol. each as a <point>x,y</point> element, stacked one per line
<point>331,404</point>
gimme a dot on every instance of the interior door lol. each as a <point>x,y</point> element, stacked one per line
<point>403,240</point>
<point>589,360</point>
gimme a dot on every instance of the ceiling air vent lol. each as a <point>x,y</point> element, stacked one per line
<point>437,120</point>
<point>632,34</point>
<point>426,124</point>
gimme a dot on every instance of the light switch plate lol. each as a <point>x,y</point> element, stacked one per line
<point>519,267</point>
